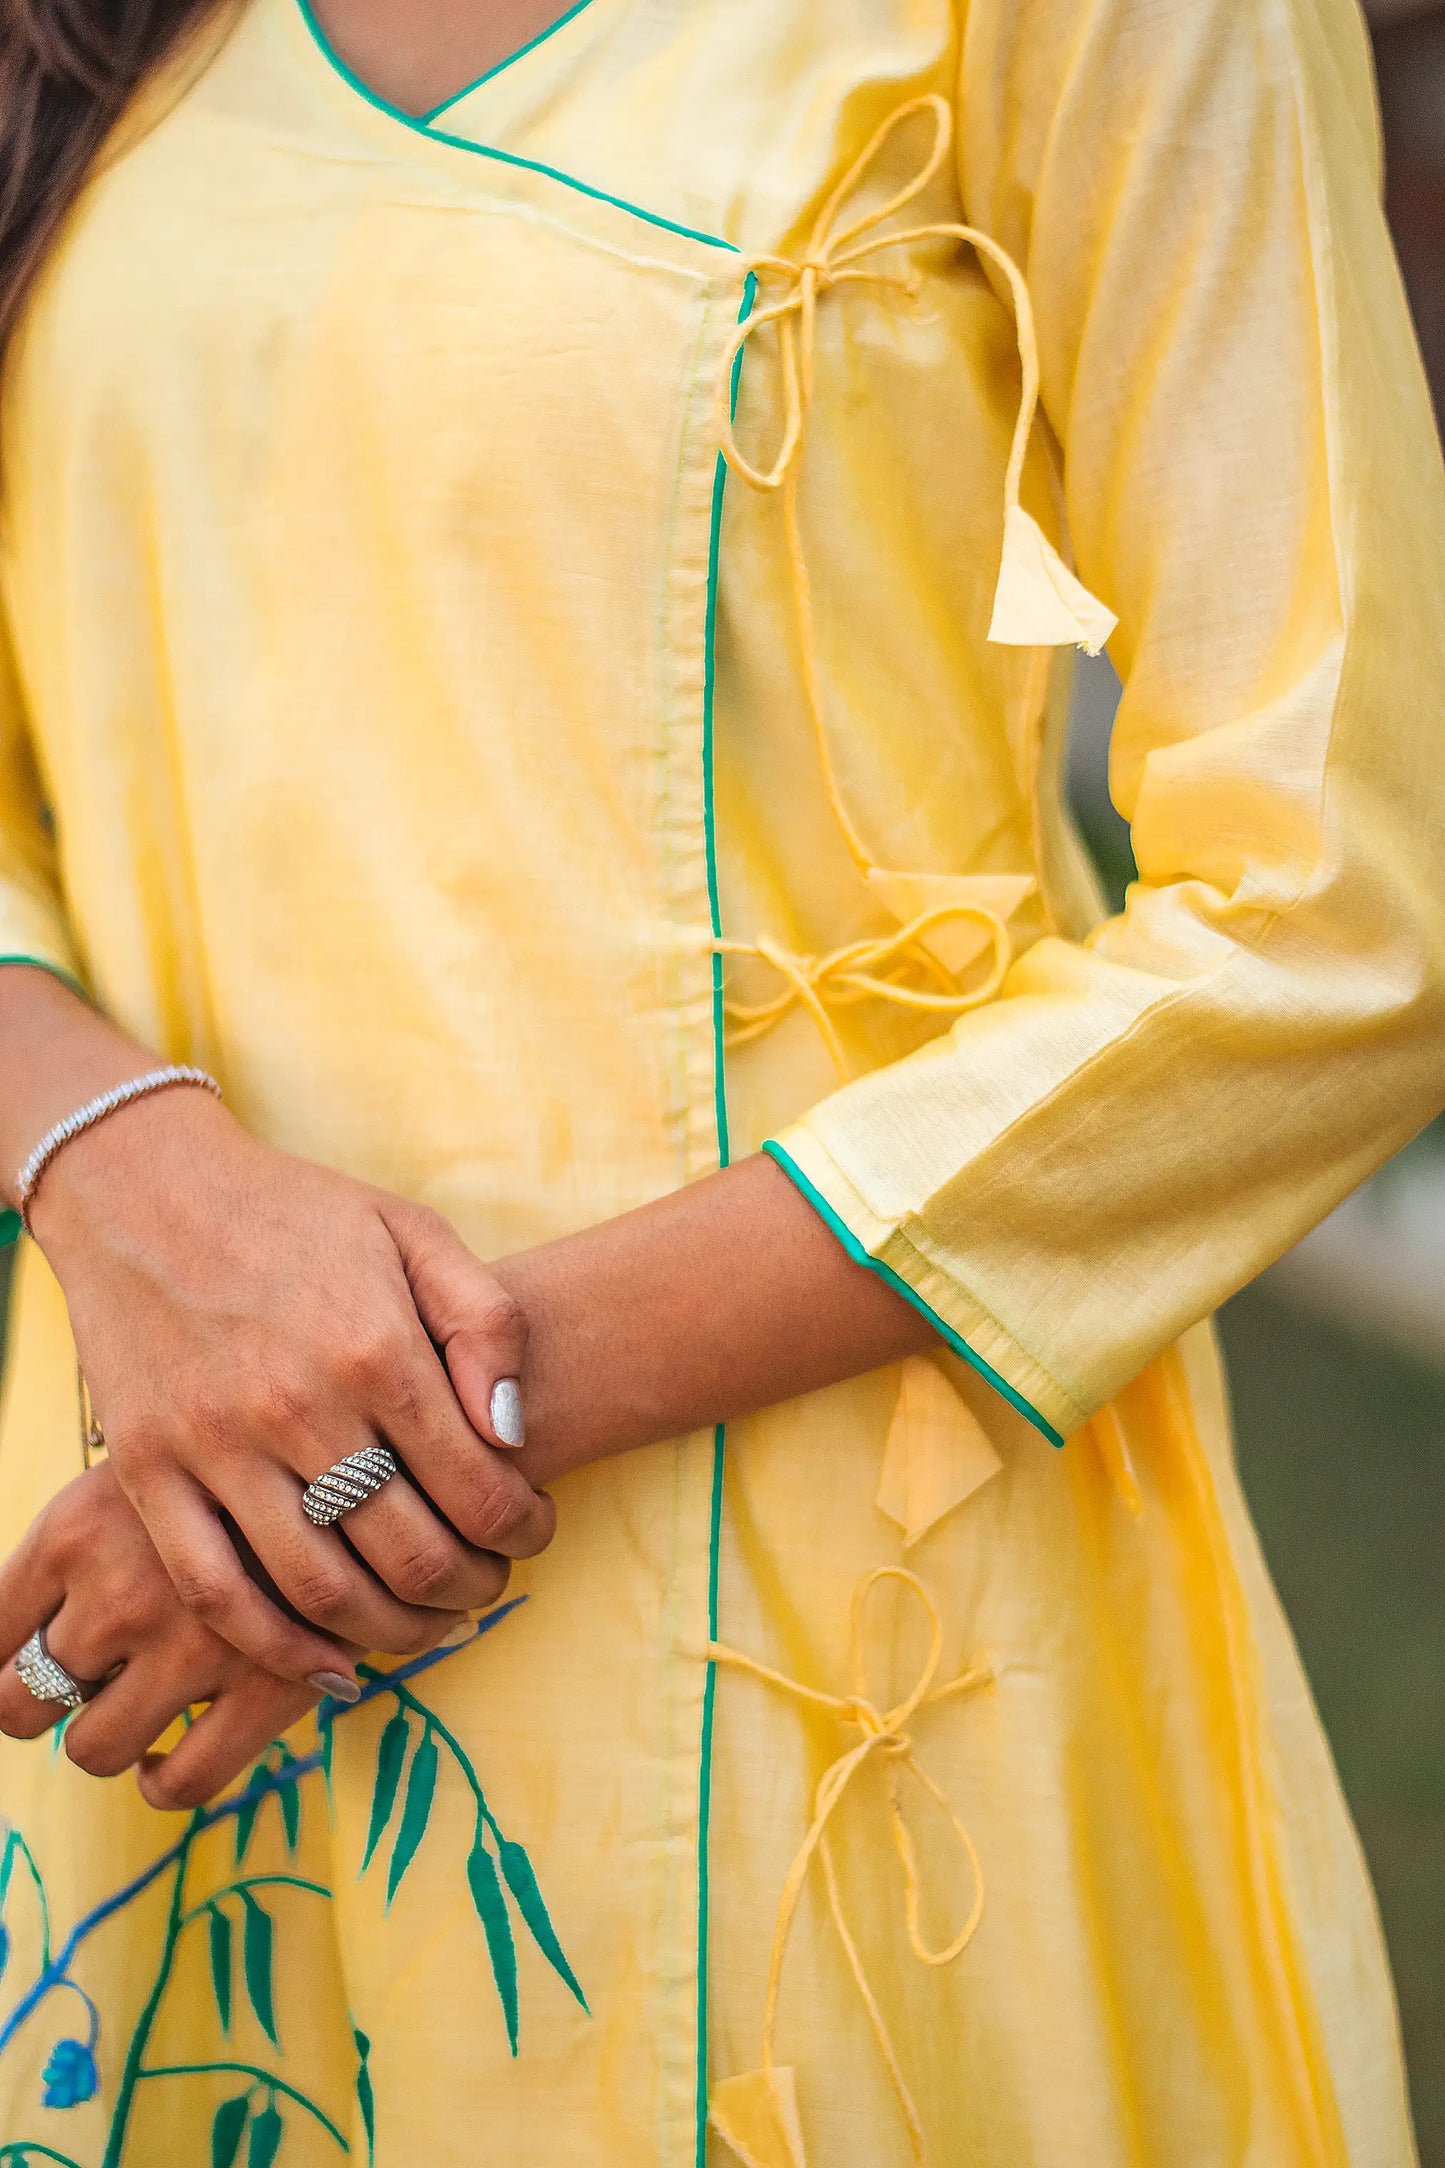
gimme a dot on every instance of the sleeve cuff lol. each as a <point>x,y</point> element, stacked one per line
<point>960,1322</point>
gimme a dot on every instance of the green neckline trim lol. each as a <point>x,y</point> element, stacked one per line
<point>500,67</point>
<point>720,1108</point>
<point>860,1256</point>
<point>423,128</point>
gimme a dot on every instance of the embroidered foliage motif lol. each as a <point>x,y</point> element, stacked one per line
<point>240,1921</point>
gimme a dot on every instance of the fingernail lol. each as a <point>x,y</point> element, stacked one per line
<point>507,1412</point>
<point>336,1684</point>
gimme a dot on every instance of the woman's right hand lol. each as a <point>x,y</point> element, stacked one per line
<point>87,1575</point>
<point>245,1319</point>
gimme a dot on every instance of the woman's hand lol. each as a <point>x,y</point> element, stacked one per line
<point>244,1320</point>
<point>88,1573</point>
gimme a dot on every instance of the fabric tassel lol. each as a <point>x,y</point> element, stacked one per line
<point>937,1455</point>
<point>1039,602</point>
<point>954,941</point>
<point>759,2119</point>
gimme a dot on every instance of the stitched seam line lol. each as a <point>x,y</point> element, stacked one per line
<point>719,1442</point>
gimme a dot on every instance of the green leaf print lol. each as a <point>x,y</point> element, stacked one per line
<point>246,1818</point>
<point>497,1927</point>
<point>230,2121</point>
<point>256,1940</point>
<point>218,1928</point>
<point>522,1882</point>
<point>389,1757</point>
<point>253,2126</point>
<point>290,1804</point>
<point>327,1731</point>
<point>265,2139</point>
<point>366,2098</point>
<point>416,1812</point>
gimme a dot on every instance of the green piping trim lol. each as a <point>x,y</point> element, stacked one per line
<point>860,1256</point>
<point>57,971</point>
<point>500,67</point>
<point>704,1802</point>
<point>424,129</point>
<point>720,1109</point>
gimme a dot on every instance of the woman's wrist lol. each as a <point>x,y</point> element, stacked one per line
<point>101,1107</point>
<point>56,1054</point>
<point>123,1170</point>
<point>726,1296</point>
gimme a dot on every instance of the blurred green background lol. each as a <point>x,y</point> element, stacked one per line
<point>1341,1442</point>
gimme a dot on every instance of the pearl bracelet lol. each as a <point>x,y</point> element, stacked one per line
<point>95,1110</point>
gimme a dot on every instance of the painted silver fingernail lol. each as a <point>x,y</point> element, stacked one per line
<point>507,1412</point>
<point>336,1684</point>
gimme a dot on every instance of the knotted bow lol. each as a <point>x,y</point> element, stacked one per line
<point>756,2114</point>
<point>1038,601</point>
<point>865,971</point>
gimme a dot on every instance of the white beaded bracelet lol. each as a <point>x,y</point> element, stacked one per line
<point>95,1110</point>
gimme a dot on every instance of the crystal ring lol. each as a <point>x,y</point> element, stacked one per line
<point>347,1485</point>
<point>47,1680</point>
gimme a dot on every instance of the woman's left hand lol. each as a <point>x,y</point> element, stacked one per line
<point>87,1572</point>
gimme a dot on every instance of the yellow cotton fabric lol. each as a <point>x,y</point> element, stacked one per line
<point>415,707</point>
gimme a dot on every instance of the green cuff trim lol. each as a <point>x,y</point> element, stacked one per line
<point>860,1256</point>
<point>10,1230</point>
<point>57,971</point>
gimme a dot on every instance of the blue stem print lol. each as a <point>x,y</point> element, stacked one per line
<point>416,1753</point>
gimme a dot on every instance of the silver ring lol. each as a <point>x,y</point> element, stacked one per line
<point>47,1680</point>
<point>347,1485</point>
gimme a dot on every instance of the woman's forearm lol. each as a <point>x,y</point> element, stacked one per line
<point>725,1296</point>
<point>56,1052</point>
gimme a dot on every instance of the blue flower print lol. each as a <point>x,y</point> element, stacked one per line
<point>70,2075</point>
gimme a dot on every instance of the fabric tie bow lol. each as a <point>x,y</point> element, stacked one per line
<point>1038,602</point>
<point>756,2113</point>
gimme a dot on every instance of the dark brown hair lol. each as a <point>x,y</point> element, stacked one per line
<point>67,69</point>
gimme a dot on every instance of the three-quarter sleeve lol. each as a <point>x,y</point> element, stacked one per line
<point>1070,1177</point>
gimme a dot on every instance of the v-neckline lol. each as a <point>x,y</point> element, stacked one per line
<point>425,121</point>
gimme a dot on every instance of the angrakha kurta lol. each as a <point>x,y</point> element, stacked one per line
<point>445,746</point>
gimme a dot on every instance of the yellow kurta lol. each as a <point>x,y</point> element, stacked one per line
<point>448,749</point>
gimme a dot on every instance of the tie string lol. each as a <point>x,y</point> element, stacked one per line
<point>1037,595</point>
<point>843,257</point>
<point>868,970</point>
<point>885,1737</point>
